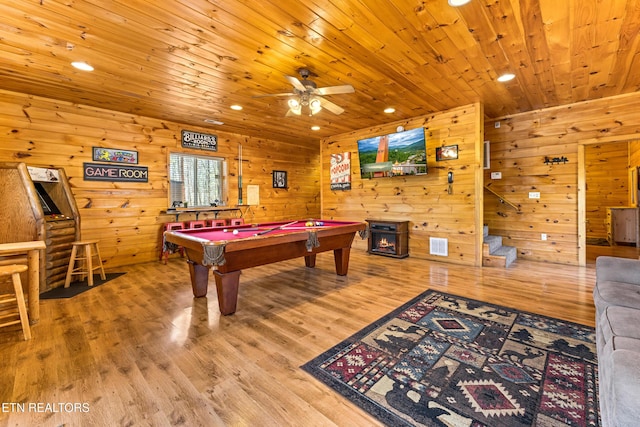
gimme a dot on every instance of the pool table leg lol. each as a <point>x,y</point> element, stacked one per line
<point>199,279</point>
<point>341,257</point>
<point>227,287</point>
<point>310,260</point>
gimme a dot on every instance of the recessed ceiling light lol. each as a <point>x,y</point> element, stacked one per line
<point>506,77</point>
<point>82,66</point>
<point>236,107</point>
<point>315,127</point>
<point>389,110</point>
<point>456,3</point>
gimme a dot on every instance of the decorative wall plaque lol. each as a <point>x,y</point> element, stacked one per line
<point>114,155</point>
<point>199,141</point>
<point>121,173</point>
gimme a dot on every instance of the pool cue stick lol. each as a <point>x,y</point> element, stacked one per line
<point>274,228</point>
<point>240,174</point>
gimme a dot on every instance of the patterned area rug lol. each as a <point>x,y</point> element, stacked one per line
<point>443,360</point>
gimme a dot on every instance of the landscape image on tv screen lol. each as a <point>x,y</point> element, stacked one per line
<point>396,154</point>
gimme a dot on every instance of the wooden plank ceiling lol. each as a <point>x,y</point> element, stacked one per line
<point>190,60</point>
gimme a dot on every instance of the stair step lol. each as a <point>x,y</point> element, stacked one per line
<point>494,253</point>
<point>494,242</point>
<point>502,257</point>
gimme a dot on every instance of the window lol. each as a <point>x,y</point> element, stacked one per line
<point>196,180</point>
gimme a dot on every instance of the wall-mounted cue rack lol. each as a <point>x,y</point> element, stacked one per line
<point>37,204</point>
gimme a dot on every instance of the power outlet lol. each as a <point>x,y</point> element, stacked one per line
<point>543,236</point>
<point>534,194</point>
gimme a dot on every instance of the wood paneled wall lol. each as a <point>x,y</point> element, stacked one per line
<point>422,200</point>
<point>518,149</point>
<point>126,217</point>
<point>607,183</point>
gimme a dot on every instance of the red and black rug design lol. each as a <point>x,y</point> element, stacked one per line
<point>443,360</point>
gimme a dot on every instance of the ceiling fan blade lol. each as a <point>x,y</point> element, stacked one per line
<point>274,94</point>
<point>333,90</point>
<point>335,109</point>
<point>296,83</point>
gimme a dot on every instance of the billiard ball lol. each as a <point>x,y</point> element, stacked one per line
<point>309,224</point>
<point>235,231</point>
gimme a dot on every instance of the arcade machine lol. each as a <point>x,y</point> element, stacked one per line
<point>37,204</point>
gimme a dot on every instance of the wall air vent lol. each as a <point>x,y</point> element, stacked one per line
<point>438,246</point>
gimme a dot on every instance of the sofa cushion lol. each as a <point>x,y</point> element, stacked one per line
<point>623,401</point>
<point>616,269</point>
<point>607,371</point>
<point>619,322</point>
<point>608,293</point>
<point>626,343</point>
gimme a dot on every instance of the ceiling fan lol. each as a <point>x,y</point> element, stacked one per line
<point>307,94</point>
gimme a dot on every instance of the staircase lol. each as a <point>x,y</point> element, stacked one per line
<point>494,254</point>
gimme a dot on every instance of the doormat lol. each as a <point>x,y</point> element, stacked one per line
<point>76,288</point>
<point>444,360</point>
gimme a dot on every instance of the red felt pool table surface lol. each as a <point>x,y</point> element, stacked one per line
<point>259,244</point>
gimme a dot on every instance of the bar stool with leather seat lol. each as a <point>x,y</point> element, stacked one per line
<point>84,251</point>
<point>216,223</point>
<point>170,226</point>
<point>13,309</point>
<point>236,221</point>
<point>201,223</point>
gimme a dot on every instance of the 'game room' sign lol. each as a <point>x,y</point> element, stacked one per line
<point>122,173</point>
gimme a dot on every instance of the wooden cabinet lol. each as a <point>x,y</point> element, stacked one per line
<point>622,225</point>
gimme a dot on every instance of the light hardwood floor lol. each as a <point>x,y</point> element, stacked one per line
<point>140,350</point>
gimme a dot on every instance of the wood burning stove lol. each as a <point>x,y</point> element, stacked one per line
<point>389,238</point>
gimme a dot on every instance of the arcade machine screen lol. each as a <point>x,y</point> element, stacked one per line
<point>48,206</point>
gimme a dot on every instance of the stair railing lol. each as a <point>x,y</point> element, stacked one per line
<point>502,199</point>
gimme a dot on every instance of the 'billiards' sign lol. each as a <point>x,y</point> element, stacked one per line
<point>121,173</point>
<point>199,141</point>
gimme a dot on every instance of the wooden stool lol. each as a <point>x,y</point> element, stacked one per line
<point>86,267</point>
<point>17,297</point>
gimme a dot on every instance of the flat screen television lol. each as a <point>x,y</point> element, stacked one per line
<point>397,154</point>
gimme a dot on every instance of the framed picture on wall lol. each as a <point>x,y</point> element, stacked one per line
<point>447,152</point>
<point>114,155</point>
<point>279,179</point>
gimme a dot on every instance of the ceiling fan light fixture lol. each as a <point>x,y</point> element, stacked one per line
<point>315,105</point>
<point>297,109</point>
<point>293,103</point>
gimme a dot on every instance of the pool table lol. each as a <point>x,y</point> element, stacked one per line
<point>228,250</point>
